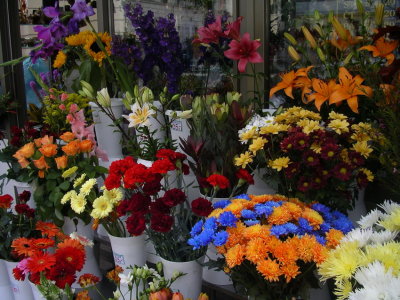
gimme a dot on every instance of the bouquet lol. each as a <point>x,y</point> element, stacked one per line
<point>365,264</point>
<point>52,260</point>
<point>309,158</point>
<point>154,202</point>
<point>270,244</point>
<point>15,224</point>
<point>212,144</point>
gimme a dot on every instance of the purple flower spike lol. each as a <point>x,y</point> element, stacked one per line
<point>81,10</point>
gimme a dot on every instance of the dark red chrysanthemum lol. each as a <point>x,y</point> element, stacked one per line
<point>310,158</point>
<point>329,151</point>
<point>342,171</point>
<point>304,184</point>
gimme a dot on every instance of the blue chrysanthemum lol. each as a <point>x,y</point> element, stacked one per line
<point>220,238</point>
<point>227,218</point>
<point>324,227</point>
<point>320,239</point>
<point>278,230</point>
<point>321,208</point>
<point>201,240</point>
<point>305,226</point>
<point>221,204</point>
<point>248,214</point>
<point>263,210</point>
<point>242,196</point>
<point>290,228</point>
<point>343,224</point>
<point>211,224</point>
<point>338,214</point>
<point>251,222</point>
<point>196,229</point>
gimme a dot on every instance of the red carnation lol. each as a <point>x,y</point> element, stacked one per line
<point>245,175</point>
<point>139,203</point>
<point>112,181</point>
<point>119,167</point>
<point>122,208</point>
<point>171,155</point>
<point>185,169</point>
<point>138,174</point>
<point>136,224</point>
<point>161,222</point>
<point>173,197</point>
<point>202,207</point>
<point>21,208</point>
<point>162,166</point>
<point>5,201</point>
<point>217,180</point>
<point>152,187</point>
<point>159,207</point>
<point>18,274</point>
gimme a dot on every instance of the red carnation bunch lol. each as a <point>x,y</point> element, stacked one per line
<point>59,265</point>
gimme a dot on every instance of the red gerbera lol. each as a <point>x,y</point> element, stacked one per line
<point>18,274</point>
<point>23,246</point>
<point>202,207</point>
<point>40,261</point>
<point>245,175</point>
<point>162,166</point>
<point>70,258</point>
<point>5,201</point>
<point>61,275</point>
<point>47,229</point>
<point>217,180</point>
<point>87,279</point>
<point>43,243</point>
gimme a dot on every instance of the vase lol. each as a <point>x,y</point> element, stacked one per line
<point>217,277</point>
<point>157,125</point>
<point>5,284</point>
<point>128,251</point>
<point>359,208</point>
<point>20,187</point>
<point>91,265</point>
<point>179,128</point>
<point>21,289</point>
<point>37,295</point>
<point>260,187</point>
<point>190,284</point>
<point>107,136</point>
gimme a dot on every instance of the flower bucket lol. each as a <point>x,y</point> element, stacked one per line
<point>108,138</point>
<point>359,209</point>
<point>190,284</point>
<point>20,289</point>
<point>217,277</point>
<point>19,187</point>
<point>260,187</point>
<point>128,251</point>
<point>179,128</point>
<point>91,266</point>
<point>151,255</point>
<point>5,285</point>
<point>37,295</point>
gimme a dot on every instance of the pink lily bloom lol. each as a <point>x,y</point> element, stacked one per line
<point>244,50</point>
<point>233,29</point>
<point>209,34</point>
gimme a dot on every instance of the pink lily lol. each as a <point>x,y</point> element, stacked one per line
<point>209,34</point>
<point>233,29</point>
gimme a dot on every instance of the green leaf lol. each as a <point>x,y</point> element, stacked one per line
<point>64,186</point>
<point>59,215</point>
<point>51,184</point>
<point>101,170</point>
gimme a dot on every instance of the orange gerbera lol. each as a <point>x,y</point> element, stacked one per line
<point>47,229</point>
<point>383,48</point>
<point>43,243</point>
<point>23,246</point>
<point>350,88</point>
<point>322,91</point>
<point>269,269</point>
<point>235,255</point>
<point>40,261</point>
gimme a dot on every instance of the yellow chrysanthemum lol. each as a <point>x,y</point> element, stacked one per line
<point>339,126</point>
<point>316,148</point>
<point>248,135</point>
<point>114,195</point>
<point>68,196</point>
<point>69,172</point>
<point>244,159</point>
<point>60,60</point>
<point>336,116</point>
<point>368,173</point>
<point>360,136</point>
<point>79,180</point>
<point>391,222</point>
<point>78,203</point>
<point>87,186</point>
<point>387,253</point>
<point>309,126</point>
<point>279,163</point>
<point>257,144</point>
<point>101,208</point>
<point>93,49</point>
<point>343,289</point>
<point>274,128</point>
<point>235,256</point>
<point>362,148</point>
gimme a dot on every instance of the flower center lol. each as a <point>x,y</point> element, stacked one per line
<point>330,153</point>
<point>343,170</point>
<point>95,48</point>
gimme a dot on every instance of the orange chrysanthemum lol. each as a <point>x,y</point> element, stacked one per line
<point>87,279</point>
<point>261,198</point>
<point>313,217</point>
<point>256,250</point>
<point>215,213</point>
<point>269,269</point>
<point>47,229</point>
<point>279,216</point>
<point>255,231</point>
<point>320,253</point>
<point>285,253</point>
<point>290,271</point>
<point>293,209</point>
<point>23,246</point>
<point>235,255</point>
<point>333,237</point>
<point>304,247</point>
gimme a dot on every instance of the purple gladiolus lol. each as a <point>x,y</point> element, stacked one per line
<point>81,10</point>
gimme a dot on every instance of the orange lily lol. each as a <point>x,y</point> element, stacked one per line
<point>292,79</point>
<point>390,92</point>
<point>322,91</point>
<point>382,48</point>
<point>303,82</point>
<point>349,89</point>
<point>344,43</point>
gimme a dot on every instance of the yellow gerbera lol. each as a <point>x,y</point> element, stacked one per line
<point>68,196</point>
<point>60,60</point>
<point>87,186</point>
<point>69,172</point>
<point>80,180</point>
<point>279,163</point>
<point>78,203</point>
<point>101,208</point>
<point>114,195</point>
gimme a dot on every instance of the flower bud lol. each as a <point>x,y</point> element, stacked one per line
<point>186,114</point>
<point>341,31</point>
<point>136,91</point>
<point>175,97</point>
<point>330,16</point>
<point>203,296</point>
<point>293,53</point>
<point>233,96</point>
<point>379,11</point>
<point>159,267</point>
<point>318,29</point>
<point>128,100</point>
<point>88,89</point>
<point>290,38</point>
<point>321,54</point>
<point>348,58</point>
<point>220,110</point>
<point>175,275</point>
<point>177,296</point>
<point>360,7</point>
<point>317,15</point>
<point>197,104</point>
<point>309,37</point>
<point>103,98</point>
<point>146,95</point>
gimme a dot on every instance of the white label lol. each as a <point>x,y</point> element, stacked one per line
<point>119,259</point>
<point>176,125</point>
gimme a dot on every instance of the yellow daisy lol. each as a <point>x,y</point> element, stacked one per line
<point>368,173</point>
<point>279,163</point>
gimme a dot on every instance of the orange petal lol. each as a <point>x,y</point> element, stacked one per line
<point>289,92</point>
<point>353,103</point>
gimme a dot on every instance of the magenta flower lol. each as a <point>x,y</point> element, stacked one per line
<point>210,34</point>
<point>233,29</point>
<point>244,50</point>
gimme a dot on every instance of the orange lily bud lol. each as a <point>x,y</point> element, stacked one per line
<point>177,296</point>
<point>203,296</point>
<point>293,53</point>
<point>341,31</point>
<point>379,10</point>
<point>290,38</point>
<point>309,37</point>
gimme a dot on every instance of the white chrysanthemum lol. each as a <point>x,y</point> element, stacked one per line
<point>87,186</point>
<point>383,236</point>
<point>359,235</point>
<point>68,196</point>
<point>389,206</point>
<point>370,219</point>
